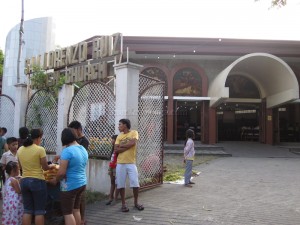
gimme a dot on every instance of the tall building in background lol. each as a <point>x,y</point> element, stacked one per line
<point>38,38</point>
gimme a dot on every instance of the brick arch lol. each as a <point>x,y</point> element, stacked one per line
<point>166,72</point>
<point>198,69</point>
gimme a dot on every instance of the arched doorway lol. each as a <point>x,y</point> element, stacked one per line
<point>273,82</point>
<point>187,88</point>
<point>238,117</point>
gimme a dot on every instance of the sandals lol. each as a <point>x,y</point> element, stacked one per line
<point>124,208</point>
<point>108,202</point>
<point>139,207</point>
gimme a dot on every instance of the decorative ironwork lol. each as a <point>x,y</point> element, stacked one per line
<point>150,127</point>
<point>94,107</point>
<point>41,113</point>
<point>7,112</point>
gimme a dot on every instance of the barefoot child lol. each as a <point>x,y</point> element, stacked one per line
<point>112,173</point>
<point>12,200</point>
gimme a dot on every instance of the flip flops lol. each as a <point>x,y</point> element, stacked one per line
<point>139,207</point>
<point>124,208</point>
<point>108,202</point>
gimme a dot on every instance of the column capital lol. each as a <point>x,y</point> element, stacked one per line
<point>128,65</point>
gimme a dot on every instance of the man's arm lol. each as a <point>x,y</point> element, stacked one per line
<point>124,147</point>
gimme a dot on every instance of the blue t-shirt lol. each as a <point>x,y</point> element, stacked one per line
<point>75,175</point>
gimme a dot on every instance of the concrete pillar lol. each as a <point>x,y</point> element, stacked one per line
<point>65,96</point>
<point>21,102</point>
<point>127,92</point>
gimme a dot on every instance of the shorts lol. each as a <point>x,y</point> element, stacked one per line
<point>122,171</point>
<point>34,194</point>
<point>112,171</point>
<point>70,200</point>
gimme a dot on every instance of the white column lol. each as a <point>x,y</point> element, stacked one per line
<point>21,102</point>
<point>127,92</point>
<point>64,100</point>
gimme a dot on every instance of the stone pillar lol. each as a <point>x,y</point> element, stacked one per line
<point>127,92</point>
<point>64,100</point>
<point>21,102</point>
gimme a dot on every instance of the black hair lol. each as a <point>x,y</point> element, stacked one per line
<point>126,122</point>
<point>114,137</point>
<point>75,124</point>
<point>189,134</point>
<point>23,132</point>
<point>11,140</point>
<point>4,130</point>
<point>10,166</point>
<point>34,134</point>
<point>67,136</point>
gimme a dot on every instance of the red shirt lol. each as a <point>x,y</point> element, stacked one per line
<point>113,160</point>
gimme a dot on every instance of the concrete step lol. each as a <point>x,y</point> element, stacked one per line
<point>199,149</point>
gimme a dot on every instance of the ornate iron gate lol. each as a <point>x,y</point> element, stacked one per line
<point>150,127</point>
<point>94,107</point>
<point>41,113</point>
<point>7,112</point>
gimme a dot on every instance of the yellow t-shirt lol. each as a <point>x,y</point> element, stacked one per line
<point>129,156</point>
<point>29,158</point>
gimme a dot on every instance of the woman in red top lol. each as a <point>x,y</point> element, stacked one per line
<point>112,172</point>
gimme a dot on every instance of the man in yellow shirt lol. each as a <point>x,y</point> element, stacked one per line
<point>125,147</point>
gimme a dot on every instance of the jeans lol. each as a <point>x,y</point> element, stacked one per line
<point>188,171</point>
<point>34,193</point>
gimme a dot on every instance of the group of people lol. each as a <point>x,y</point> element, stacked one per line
<point>28,192</point>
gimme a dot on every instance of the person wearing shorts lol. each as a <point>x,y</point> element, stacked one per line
<point>113,194</point>
<point>72,176</point>
<point>125,147</point>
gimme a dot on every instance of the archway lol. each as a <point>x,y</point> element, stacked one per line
<point>273,84</point>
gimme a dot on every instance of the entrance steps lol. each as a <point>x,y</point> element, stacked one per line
<point>200,149</point>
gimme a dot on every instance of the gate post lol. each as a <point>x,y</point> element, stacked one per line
<point>21,102</point>
<point>127,93</point>
<point>64,100</point>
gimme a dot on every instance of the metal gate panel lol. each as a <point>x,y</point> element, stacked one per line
<point>7,112</point>
<point>150,127</point>
<point>41,113</point>
<point>94,107</point>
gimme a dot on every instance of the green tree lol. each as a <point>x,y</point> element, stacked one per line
<point>277,3</point>
<point>1,63</point>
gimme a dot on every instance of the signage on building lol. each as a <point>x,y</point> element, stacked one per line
<point>83,61</point>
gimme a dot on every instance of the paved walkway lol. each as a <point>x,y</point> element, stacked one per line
<point>258,185</point>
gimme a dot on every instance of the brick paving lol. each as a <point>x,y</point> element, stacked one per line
<point>258,185</point>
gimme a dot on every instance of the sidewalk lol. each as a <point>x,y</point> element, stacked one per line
<point>258,185</point>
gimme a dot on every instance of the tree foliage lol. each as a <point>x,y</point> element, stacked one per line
<point>1,63</point>
<point>278,3</point>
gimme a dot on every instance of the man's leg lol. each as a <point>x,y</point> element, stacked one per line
<point>135,195</point>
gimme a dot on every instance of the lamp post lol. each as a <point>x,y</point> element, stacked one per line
<point>21,32</point>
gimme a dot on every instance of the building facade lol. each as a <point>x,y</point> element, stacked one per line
<point>39,37</point>
<point>224,89</point>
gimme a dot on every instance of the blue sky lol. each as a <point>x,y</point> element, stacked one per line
<point>78,20</point>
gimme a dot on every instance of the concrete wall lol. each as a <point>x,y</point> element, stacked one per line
<point>97,175</point>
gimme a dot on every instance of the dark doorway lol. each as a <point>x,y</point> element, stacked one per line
<point>188,116</point>
<point>238,122</point>
<point>289,123</point>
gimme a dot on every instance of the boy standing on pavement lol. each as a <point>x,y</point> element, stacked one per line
<point>125,147</point>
